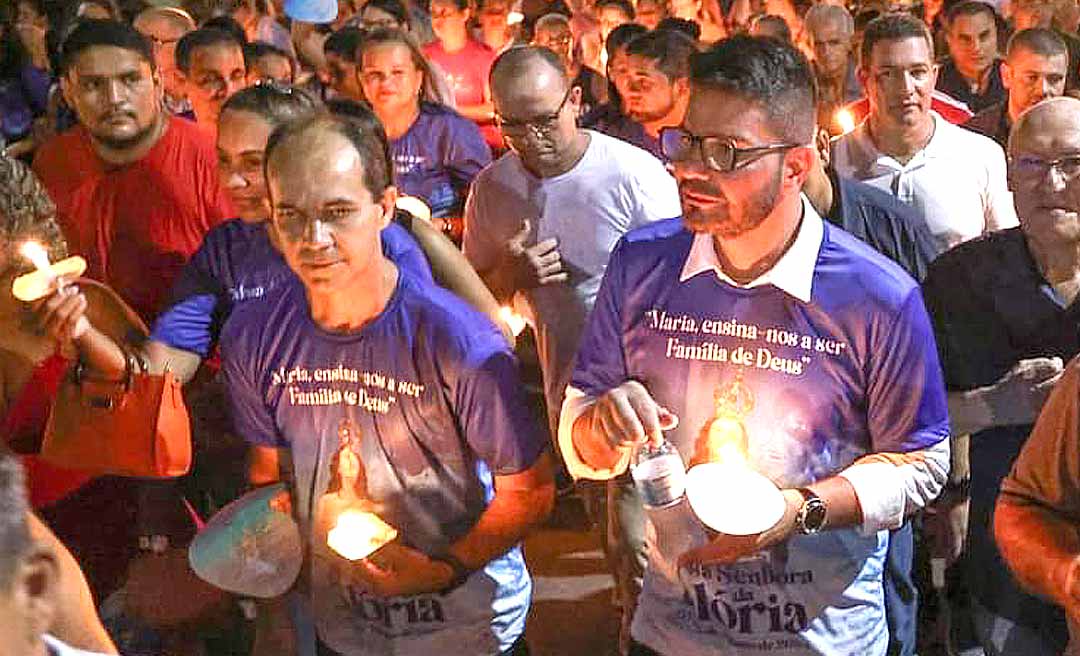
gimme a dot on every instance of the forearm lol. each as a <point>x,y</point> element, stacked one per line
<point>101,354</point>
<point>1040,547</point>
<point>970,411</point>
<point>891,486</point>
<point>841,500</point>
<point>506,521</point>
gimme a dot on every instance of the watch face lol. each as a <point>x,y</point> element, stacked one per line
<point>813,516</point>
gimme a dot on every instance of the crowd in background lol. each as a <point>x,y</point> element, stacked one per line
<point>537,134</point>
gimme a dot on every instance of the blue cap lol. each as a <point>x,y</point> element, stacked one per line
<point>312,11</point>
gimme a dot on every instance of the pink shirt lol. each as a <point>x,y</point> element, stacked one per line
<point>466,70</point>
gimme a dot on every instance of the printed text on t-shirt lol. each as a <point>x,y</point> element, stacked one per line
<point>371,390</point>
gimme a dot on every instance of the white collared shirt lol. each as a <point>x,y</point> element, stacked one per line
<point>57,648</point>
<point>957,183</point>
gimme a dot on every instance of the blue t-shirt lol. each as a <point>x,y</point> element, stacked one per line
<point>811,387</point>
<point>238,263</point>
<point>438,157</point>
<point>428,400</point>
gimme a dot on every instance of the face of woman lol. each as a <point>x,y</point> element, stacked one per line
<point>241,143</point>
<point>390,78</point>
<point>447,18</point>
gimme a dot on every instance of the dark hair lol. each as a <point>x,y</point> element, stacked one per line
<point>365,134</point>
<point>227,24</point>
<point>892,27</point>
<point>204,37</point>
<point>13,55</point>
<point>460,4</point>
<point>777,22</point>
<point>864,18</point>
<point>273,102</point>
<point>344,43</point>
<point>622,35</point>
<point>673,24</point>
<point>770,73</point>
<point>670,50</point>
<point>341,106</point>
<point>625,6</point>
<point>969,8</point>
<point>108,5</point>
<point>26,212</point>
<point>15,538</point>
<point>90,33</point>
<point>256,50</point>
<point>395,8</point>
<point>1038,41</point>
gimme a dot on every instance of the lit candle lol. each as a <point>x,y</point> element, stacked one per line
<point>845,120</point>
<point>515,17</point>
<point>515,321</point>
<point>358,534</point>
<point>46,277</point>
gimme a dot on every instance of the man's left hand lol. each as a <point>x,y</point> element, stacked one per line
<point>726,549</point>
<point>396,570</point>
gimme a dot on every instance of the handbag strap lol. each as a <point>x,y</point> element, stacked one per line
<point>131,361</point>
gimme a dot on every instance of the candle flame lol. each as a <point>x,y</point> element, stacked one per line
<point>37,254</point>
<point>515,321</point>
<point>846,120</point>
<point>515,17</point>
<point>358,534</point>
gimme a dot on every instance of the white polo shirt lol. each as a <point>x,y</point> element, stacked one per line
<point>956,183</point>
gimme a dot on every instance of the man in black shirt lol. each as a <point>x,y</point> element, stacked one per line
<point>1035,68</point>
<point>972,73</point>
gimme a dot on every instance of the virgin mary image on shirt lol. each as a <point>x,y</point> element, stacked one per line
<point>347,487</point>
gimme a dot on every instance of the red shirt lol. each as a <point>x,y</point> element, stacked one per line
<point>136,224</point>
<point>466,70</point>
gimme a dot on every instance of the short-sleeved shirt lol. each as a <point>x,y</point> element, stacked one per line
<point>23,97</point>
<point>813,378</point>
<point>236,264</point>
<point>613,189</point>
<point>956,183</point>
<point>466,70</point>
<point>1047,472</point>
<point>992,308</point>
<point>429,393</point>
<point>138,224</point>
<point>438,157</point>
<point>956,85</point>
<point>889,226</point>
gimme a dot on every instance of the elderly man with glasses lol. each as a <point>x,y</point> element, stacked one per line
<point>752,323</point>
<point>541,221</point>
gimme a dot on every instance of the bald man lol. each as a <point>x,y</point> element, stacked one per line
<point>541,221</point>
<point>164,27</point>
<point>1004,317</point>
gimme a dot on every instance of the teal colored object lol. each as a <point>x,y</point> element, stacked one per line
<point>249,548</point>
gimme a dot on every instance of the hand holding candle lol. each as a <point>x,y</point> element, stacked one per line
<point>47,277</point>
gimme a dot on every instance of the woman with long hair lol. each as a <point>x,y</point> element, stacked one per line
<point>24,87</point>
<point>437,152</point>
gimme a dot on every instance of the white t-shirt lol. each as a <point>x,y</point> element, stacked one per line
<point>615,188</point>
<point>956,183</point>
<point>57,648</point>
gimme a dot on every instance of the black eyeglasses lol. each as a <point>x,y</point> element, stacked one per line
<point>718,153</point>
<point>541,125</point>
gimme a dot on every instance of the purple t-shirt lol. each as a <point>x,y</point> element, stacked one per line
<point>428,400</point>
<point>438,157</point>
<point>237,263</point>
<point>811,387</point>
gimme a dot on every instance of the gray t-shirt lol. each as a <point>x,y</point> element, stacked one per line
<point>615,188</point>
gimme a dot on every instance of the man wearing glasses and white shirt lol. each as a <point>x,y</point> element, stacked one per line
<point>753,312</point>
<point>540,224</point>
<point>952,177</point>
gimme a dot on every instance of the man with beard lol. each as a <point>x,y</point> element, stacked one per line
<point>752,269</point>
<point>954,178</point>
<point>658,83</point>
<point>539,226</point>
<point>1035,68</point>
<point>135,188</point>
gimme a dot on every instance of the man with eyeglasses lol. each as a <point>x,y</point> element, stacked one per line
<point>164,27</point>
<point>211,64</point>
<point>753,311</point>
<point>541,221</point>
<point>1004,311</point>
<point>953,178</point>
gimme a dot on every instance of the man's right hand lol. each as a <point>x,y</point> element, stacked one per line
<point>536,265</point>
<point>1018,397</point>
<point>621,418</point>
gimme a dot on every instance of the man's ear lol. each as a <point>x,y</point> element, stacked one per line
<point>34,586</point>
<point>824,147</point>
<point>67,88</point>
<point>798,165</point>
<point>1006,75</point>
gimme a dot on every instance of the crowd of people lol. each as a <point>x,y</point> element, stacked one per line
<point>834,244</point>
